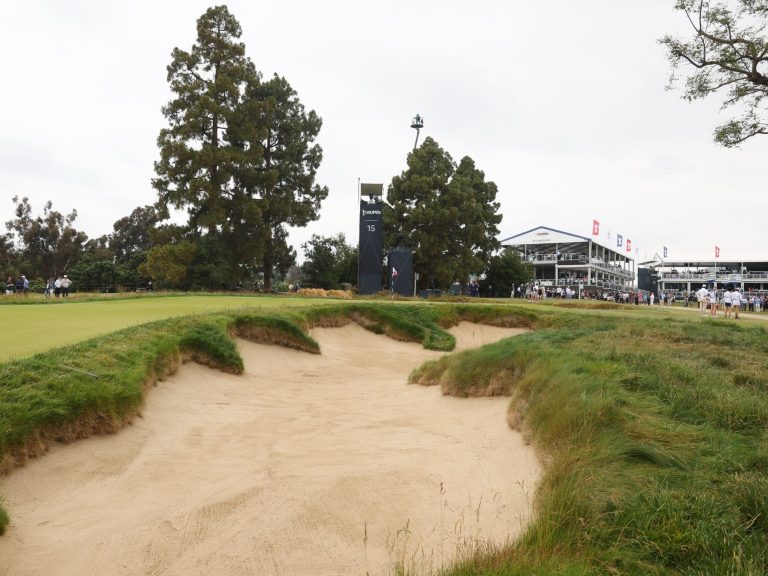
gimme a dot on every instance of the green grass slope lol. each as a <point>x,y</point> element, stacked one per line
<point>655,433</point>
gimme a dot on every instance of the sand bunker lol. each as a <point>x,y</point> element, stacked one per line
<point>305,464</point>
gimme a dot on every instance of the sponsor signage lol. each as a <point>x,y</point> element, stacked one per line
<point>370,248</point>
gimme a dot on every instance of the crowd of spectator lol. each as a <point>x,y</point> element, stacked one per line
<point>58,287</point>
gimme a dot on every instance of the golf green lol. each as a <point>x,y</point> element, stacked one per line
<point>31,328</point>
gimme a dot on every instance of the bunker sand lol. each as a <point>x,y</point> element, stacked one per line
<point>305,464</point>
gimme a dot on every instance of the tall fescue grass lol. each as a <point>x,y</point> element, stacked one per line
<point>655,439</point>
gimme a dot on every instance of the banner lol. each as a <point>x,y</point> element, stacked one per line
<point>619,240</point>
<point>629,245</point>
<point>665,251</point>
<point>717,251</point>
<point>595,228</point>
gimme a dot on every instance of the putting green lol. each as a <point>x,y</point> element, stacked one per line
<point>30,328</point>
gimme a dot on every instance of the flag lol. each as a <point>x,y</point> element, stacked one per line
<point>629,245</point>
<point>595,228</point>
<point>619,239</point>
<point>665,251</point>
<point>394,273</point>
<point>717,251</point>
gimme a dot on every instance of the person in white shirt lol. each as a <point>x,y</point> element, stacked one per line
<point>736,300</point>
<point>728,301</point>
<point>651,298</point>
<point>713,302</point>
<point>703,295</point>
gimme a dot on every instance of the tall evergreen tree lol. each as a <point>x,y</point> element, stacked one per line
<point>196,165</point>
<point>280,161</point>
<point>417,215</point>
<point>446,214</point>
<point>476,235</point>
<point>238,153</point>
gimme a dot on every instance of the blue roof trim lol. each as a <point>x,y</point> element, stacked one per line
<point>546,228</point>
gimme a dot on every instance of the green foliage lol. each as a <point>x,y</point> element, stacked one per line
<point>272,122</point>
<point>132,235</point>
<point>198,162</point>
<point>728,51</point>
<point>505,272</point>
<point>4,519</point>
<point>447,214</point>
<point>238,153</point>
<point>328,261</point>
<point>194,167</point>
<point>168,264</point>
<point>210,267</point>
<point>92,274</point>
<point>47,244</point>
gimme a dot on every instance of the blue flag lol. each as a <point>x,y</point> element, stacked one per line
<point>619,239</point>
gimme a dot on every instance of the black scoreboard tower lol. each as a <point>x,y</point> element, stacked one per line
<point>371,240</point>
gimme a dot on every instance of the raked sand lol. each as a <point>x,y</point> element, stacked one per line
<point>306,464</point>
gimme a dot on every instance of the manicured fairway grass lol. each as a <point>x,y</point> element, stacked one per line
<point>30,328</point>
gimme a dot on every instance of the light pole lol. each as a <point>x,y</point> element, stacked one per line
<point>418,124</point>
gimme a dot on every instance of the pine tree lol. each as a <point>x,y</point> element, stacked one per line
<point>238,153</point>
<point>446,214</point>
<point>276,134</point>
<point>197,160</point>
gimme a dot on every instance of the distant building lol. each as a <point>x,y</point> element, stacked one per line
<point>564,259</point>
<point>686,273</point>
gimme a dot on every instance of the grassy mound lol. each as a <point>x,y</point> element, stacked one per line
<point>655,436</point>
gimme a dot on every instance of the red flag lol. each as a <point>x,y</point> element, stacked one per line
<point>595,228</point>
<point>717,251</point>
<point>629,245</point>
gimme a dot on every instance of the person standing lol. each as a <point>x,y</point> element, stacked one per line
<point>713,302</point>
<point>651,298</point>
<point>736,301</point>
<point>703,296</point>
<point>728,301</point>
<point>57,287</point>
<point>48,288</point>
<point>9,286</point>
<point>65,283</point>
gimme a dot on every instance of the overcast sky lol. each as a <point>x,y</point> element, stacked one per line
<point>562,103</point>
